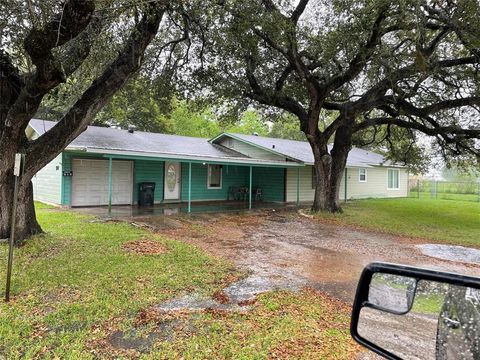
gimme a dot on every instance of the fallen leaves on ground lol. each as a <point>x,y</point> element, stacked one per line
<point>144,247</point>
<point>221,297</point>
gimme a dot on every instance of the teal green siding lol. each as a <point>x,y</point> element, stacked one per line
<point>149,171</point>
<point>231,176</point>
<point>272,182</point>
<point>66,180</point>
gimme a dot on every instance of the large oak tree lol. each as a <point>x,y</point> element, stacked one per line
<point>46,46</point>
<point>376,67</point>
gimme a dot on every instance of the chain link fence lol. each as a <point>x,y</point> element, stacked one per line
<point>446,190</point>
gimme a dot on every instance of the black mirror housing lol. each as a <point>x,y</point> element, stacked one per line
<point>364,289</point>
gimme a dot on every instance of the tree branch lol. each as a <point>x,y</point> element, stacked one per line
<point>366,51</point>
<point>271,98</point>
<point>76,120</point>
<point>302,4</point>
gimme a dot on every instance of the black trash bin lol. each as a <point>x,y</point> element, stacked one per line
<point>146,192</point>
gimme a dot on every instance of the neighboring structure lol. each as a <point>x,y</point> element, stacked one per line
<point>104,166</point>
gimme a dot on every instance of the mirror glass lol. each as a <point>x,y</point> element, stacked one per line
<point>392,292</point>
<point>443,322</point>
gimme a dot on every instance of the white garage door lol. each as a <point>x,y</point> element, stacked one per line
<point>90,182</point>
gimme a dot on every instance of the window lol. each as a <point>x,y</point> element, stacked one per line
<point>314,178</point>
<point>392,182</point>
<point>362,175</point>
<point>214,177</point>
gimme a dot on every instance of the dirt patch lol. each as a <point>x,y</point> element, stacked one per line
<point>283,249</point>
<point>144,247</point>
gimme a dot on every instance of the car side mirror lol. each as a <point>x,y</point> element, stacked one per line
<point>401,312</point>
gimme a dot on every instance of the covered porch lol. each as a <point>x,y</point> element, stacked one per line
<point>184,184</point>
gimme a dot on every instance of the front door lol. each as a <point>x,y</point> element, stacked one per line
<point>172,181</point>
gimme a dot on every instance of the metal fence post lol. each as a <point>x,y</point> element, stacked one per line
<point>17,172</point>
<point>418,188</point>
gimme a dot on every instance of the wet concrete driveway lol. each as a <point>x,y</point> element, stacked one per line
<point>283,249</point>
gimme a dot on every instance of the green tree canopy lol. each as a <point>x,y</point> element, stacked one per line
<point>376,65</point>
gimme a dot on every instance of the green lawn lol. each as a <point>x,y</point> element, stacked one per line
<point>77,285</point>
<point>450,221</point>
<point>445,196</point>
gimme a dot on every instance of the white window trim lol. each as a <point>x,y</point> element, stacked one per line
<point>209,173</point>
<point>359,173</point>
<point>398,172</point>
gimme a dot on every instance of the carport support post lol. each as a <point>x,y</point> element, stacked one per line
<point>189,187</point>
<point>298,186</point>
<point>250,190</point>
<point>109,186</point>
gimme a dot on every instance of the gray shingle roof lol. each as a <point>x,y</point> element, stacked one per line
<point>302,151</point>
<point>96,137</point>
<point>154,144</point>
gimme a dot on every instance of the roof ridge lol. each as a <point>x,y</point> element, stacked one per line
<point>136,131</point>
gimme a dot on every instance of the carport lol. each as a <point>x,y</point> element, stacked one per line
<point>263,174</point>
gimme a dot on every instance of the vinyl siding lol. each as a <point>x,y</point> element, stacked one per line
<point>375,186</point>
<point>47,183</point>
<point>305,186</point>
<point>231,176</point>
<point>271,181</point>
<point>250,150</point>
<point>149,171</point>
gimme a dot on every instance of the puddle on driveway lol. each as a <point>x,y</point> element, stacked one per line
<point>283,251</point>
<point>451,252</point>
<point>238,293</point>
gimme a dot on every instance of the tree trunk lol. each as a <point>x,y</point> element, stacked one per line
<point>341,147</point>
<point>20,100</point>
<point>322,173</point>
<point>26,222</point>
<point>329,169</point>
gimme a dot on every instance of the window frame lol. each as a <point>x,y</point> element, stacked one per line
<point>359,175</point>
<point>397,171</point>
<point>209,175</point>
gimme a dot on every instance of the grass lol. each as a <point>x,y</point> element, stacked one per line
<point>446,196</point>
<point>456,222</point>
<point>428,303</point>
<point>75,286</point>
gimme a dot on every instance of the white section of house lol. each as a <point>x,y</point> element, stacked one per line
<point>47,183</point>
<point>90,182</point>
<point>306,191</point>
<point>375,185</point>
<point>250,150</point>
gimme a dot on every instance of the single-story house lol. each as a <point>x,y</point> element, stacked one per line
<point>104,166</point>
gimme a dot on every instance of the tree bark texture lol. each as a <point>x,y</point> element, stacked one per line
<point>21,96</point>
